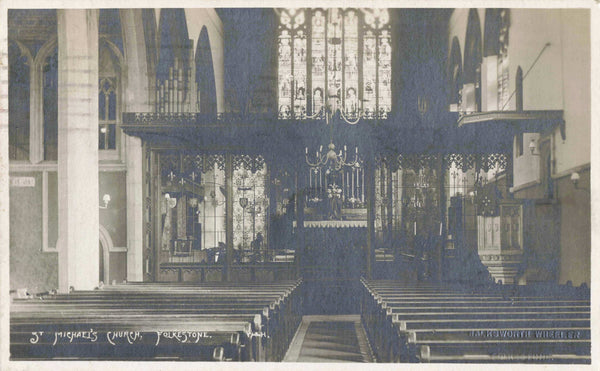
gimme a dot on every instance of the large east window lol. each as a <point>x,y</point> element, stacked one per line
<point>339,58</point>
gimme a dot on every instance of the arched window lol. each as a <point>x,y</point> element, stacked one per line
<point>18,89</point>
<point>336,57</point>
<point>110,65</point>
<point>519,89</point>
<point>109,105</point>
<point>454,76</point>
<point>205,76</point>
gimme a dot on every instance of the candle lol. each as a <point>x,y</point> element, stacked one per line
<point>343,187</point>
<point>440,228</point>
<point>362,189</point>
<point>320,179</point>
<point>348,182</point>
<point>353,184</point>
<point>415,227</point>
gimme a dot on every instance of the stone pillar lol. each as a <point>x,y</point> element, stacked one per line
<point>78,215</point>
<point>137,99</point>
<point>228,216</point>
<point>4,200</point>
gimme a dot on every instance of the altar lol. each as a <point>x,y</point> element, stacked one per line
<point>335,224</point>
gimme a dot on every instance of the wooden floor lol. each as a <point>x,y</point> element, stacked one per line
<point>330,338</point>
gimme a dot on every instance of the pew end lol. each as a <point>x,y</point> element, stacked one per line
<point>219,354</point>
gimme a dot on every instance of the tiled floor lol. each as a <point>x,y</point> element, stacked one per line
<point>338,338</point>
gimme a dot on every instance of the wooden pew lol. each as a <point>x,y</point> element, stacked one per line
<point>156,337</point>
<point>429,324</point>
<point>226,322</point>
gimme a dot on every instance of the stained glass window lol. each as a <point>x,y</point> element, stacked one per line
<point>349,53</point>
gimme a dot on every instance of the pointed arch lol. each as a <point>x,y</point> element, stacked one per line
<point>473,54</point>
<point>454,73</point>
<point>109,27</point>
<point>205,75</point>
<point>491,36</point>
<point>173,42</point>
<point>151,41</point>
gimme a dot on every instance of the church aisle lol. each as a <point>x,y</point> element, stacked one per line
<point>330,338</point>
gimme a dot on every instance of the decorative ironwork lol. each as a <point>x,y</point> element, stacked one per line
<point>416,162</point>
<point>195,164</point>
<point>484,162</point>
<point>169,166</point>
<point>251,163</point>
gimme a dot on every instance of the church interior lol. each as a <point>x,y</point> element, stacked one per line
<point>299,185</point>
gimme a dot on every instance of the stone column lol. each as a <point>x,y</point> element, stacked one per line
<point>228,217</point>
<point>4,182</point>
<point>78,215</point>
<point>137,99</point>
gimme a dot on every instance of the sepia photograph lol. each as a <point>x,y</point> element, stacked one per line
<point>285,184</point>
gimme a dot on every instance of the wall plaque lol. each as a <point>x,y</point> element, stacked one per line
<point>22,181</point>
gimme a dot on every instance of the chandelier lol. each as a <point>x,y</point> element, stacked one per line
<point>331,159</point>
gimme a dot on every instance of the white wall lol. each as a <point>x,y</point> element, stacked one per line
<point>526,168</point>
<point>530,30</point>
<point>576,149</point>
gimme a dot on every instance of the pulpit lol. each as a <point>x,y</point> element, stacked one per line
<point>500,240</point>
